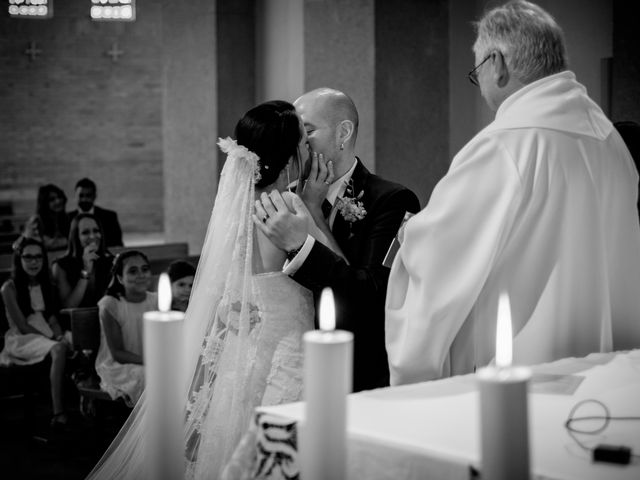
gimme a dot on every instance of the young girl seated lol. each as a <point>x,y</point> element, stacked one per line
<point>119,362</point>
<point>34,331</point>
<point>181,274</point>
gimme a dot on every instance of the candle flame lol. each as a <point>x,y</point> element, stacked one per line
<point>164,293</point>
<point>327,310</point>
<point>504,341</point>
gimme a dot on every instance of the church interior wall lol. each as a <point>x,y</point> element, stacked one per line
<point>143,122</point>
<point>73,111</point>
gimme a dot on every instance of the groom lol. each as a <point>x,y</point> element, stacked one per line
<point>359,285</point>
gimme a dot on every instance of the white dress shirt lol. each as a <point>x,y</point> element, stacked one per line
<point>336,189</point>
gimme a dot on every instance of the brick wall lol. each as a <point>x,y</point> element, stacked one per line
<point>73,112</point>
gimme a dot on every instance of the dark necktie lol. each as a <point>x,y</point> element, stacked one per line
<point>326,208</point>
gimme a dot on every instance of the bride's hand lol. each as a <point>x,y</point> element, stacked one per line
<point>317,184</point>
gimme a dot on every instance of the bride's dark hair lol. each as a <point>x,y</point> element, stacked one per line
<point>272,131</point>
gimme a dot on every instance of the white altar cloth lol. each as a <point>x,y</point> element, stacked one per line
<point>431,430</point>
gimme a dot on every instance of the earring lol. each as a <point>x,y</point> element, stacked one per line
<point>342,146</point>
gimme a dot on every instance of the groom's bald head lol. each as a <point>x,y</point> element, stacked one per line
<point>333,105</point>
<point>330,119</point>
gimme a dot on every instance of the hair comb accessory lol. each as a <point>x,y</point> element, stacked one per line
<point>239,152</point>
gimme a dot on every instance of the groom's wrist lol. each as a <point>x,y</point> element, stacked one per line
<point>298,258</point>
<point>295,242</point>
<point>291,254</point>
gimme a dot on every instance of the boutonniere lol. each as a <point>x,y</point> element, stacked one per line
<point>350,206</point>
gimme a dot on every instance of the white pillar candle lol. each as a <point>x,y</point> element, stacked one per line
<point>328,363</point>
<point>163,358</point>
<point>503,408</point>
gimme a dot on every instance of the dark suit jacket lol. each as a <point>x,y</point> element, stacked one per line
<point>110,225</point>
<point>360,288</point>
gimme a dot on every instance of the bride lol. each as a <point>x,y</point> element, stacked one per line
<point>245,319</point>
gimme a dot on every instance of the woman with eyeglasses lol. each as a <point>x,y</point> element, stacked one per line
<point>34,331</point>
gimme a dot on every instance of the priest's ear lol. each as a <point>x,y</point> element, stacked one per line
<point>500,70</point>
<point>344,131</point>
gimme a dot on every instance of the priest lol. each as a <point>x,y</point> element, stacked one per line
<point>540,204</point>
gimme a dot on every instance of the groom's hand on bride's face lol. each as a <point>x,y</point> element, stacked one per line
<point>286,229</point>
<point>317,185</point>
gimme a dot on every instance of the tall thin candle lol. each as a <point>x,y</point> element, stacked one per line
<point>328,363</point>
<point>163,357</point>
<point>503,408</point>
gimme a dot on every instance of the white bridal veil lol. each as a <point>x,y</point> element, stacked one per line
<point>220,303</point>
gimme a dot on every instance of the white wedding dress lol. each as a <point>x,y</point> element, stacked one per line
<point>243,340</point>
<point>270,365</point>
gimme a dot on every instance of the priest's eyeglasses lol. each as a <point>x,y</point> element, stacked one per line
<point>473,74</point>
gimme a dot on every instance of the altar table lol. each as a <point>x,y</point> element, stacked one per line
<point>430,430</point>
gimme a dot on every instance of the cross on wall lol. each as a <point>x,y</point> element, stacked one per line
<point>114,52</point>
<point>32,51</point>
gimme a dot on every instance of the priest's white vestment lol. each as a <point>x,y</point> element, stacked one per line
<point>540,204</point>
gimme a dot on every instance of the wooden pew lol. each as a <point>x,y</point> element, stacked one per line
<point>158,251</point>
<point>6,242</point>
<point>6,262</point>
<point>160,255</point>
<point>9,237</point>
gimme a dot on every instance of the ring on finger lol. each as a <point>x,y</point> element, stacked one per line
<point>327,183</point>
<point>264,220</point>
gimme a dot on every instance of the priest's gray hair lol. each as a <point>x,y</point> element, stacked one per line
<point>527,36</point>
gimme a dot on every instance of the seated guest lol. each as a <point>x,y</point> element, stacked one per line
<point>52,203</point>
<point>32,228</point>
<point>541,205</point>
<point>119,362</point>
<point>181,274</point>
<point>34,331</point>
<point>82,274</point>
<point>86,192</point>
